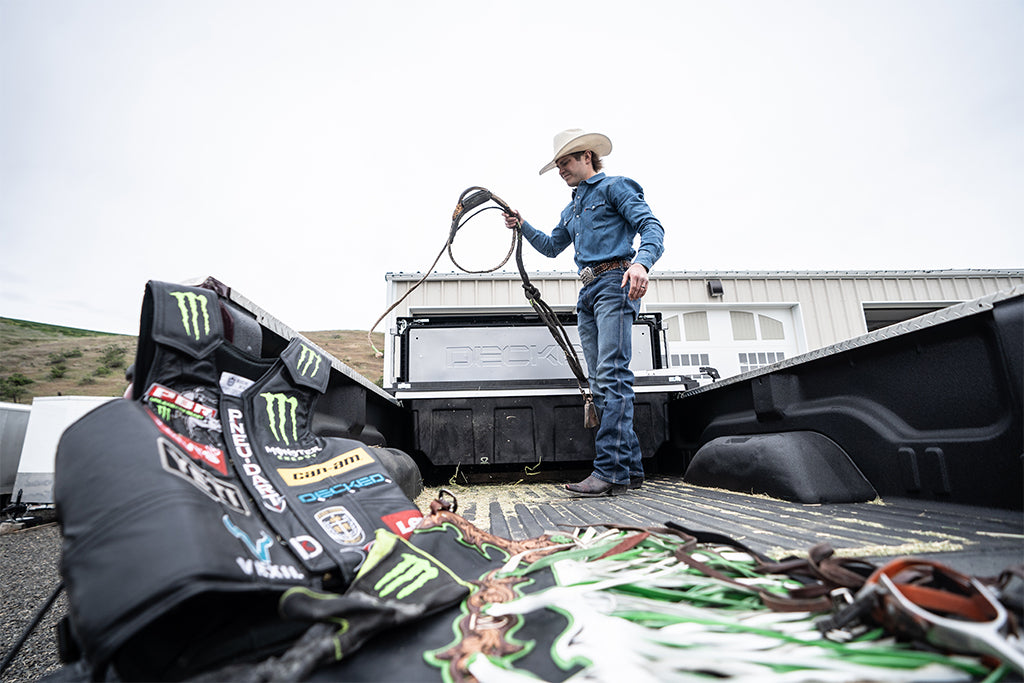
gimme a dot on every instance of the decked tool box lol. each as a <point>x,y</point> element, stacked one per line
<point>496,389</point>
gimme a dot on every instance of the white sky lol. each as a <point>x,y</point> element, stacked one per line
<point>300,150</point>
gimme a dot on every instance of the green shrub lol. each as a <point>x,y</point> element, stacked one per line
<point>13,387</point>
<point>59,357</point>
<point>113,356</point>
<point>58,370</point>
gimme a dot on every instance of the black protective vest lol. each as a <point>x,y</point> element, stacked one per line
<point>188,510</point>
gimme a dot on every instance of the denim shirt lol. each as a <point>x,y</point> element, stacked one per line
<point>601,222</point>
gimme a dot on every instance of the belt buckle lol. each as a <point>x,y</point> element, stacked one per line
<point>587,275</point>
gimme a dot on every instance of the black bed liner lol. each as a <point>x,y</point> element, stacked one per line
<point>976,540</point>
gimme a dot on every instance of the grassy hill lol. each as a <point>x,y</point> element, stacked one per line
<point>37,359</point>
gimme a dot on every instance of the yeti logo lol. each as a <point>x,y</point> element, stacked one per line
<point>193,307</point>
<point>282,412</point>
<point>307,357</point>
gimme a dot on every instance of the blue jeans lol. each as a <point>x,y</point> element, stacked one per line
<point>605,318</point>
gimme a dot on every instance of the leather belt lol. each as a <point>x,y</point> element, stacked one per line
<point>588,274</point>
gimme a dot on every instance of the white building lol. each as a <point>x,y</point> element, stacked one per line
<point>733,321</point>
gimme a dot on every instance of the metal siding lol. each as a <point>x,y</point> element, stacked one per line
<point>830,303</point>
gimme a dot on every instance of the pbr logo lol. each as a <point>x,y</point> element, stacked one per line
<point>282,416</point>
<point>339,464</point>
<point>166,402</point>
<point>211,455</point>
<point>308,357</point>
<point>195,313</point>
<point>173,460</point>
<point>339,523</point>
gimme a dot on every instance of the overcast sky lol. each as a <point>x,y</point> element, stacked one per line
<point>300,150</point>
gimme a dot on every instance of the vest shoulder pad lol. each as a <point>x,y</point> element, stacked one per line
<point>307,365</point>
<point>186,318</point>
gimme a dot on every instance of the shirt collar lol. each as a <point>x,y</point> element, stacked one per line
<point>589,181</point>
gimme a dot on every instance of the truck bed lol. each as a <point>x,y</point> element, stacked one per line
<point>976,540</point>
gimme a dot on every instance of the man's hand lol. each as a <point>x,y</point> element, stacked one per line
<point>636,279</point>
<point>512,220</point>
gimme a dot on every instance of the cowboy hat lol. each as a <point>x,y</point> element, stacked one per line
<point>576,140</point>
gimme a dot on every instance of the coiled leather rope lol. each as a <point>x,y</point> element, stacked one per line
<point>478,198</point>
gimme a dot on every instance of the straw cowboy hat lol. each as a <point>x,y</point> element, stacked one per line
<point>576,140</point>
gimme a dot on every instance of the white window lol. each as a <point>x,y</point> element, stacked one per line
<point>730,340</point>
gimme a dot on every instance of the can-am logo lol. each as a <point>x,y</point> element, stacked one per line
<point>282,416</point>
<point>339,464</point>
<point>195,313</point>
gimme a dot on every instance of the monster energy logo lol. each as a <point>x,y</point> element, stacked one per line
<point>307,357</point>
<point>281,411</point>
<point>412,573</point>
<point>191,305</point>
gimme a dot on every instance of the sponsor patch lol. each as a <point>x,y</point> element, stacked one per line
<point>403,523</point>
<point>293,454</point>
<point>339,464</point>
<point>342,527</point>
<point>344,487</point>
<point>234,385</point>
<point>211,455</point>
<point>309,362</point>
<point>175,461</point>
<point>306,547</point>
<point>282,416</point>
<point>268,570</point>
<point>260,548</point>
<point>195,313</point>
<point>166,402</point>
<point>272,500</point>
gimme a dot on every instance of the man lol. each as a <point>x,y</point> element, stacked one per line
<point>602,220</point>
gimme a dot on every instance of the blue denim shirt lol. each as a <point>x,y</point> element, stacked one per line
<point>601,222</point>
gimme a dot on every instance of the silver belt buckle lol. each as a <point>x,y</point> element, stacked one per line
<point>587,275</point>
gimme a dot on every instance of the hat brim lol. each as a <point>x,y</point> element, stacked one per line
<point>595,142</point>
